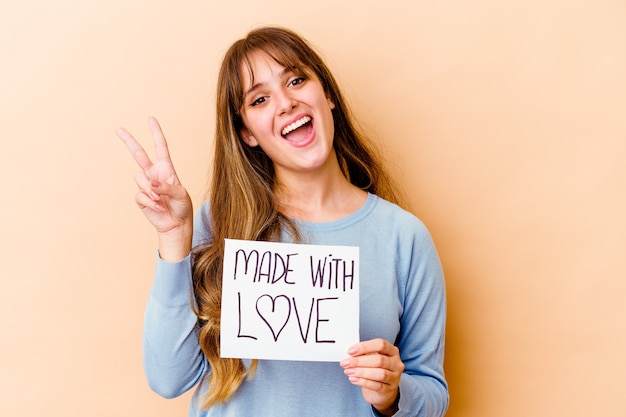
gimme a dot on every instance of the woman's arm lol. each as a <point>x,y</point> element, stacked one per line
<point>423,388</point>
<point>173,361</point>
<point>407,379</point>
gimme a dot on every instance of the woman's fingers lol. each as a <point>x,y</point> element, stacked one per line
<point>376,361</point>
<point>371,361</point>
<point>160,144</point>
<point>373,346</point>
<point>374,373</point>
<point>373,378</point>
<point>147,196</point>
<point>144,184</point>
<point>144,201</point>
<point>155,192</point>
<point>138,153</point>
<point>375,366</point>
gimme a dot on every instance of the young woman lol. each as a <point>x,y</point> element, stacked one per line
<point>290,166</point>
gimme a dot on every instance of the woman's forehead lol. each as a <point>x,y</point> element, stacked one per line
<point>260,62</point>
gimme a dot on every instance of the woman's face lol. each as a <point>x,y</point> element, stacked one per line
<point>288,115</point>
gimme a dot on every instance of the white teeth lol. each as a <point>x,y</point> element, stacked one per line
<point>295,125</point>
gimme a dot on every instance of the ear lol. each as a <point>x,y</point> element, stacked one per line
<point>247,137</point>
<point>331,103</point>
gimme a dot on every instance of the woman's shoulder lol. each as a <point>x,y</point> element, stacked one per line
<point>394,223</point>
<point>392,212</point>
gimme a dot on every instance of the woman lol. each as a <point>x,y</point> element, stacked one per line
<point>289,165</point>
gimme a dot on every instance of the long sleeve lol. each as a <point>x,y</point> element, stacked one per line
<point>173,360</point>
<point>423,388</point>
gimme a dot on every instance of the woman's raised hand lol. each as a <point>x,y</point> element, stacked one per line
<point>161,197</point>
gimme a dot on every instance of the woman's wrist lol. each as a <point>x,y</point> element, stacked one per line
<point>175,245</point>
<point>392,409</point>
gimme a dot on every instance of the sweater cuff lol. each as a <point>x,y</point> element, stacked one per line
<point>172,284</point>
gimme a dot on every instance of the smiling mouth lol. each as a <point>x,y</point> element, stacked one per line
<point>295,125</point>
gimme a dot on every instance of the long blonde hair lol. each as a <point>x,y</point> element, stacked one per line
<point>242,200</point>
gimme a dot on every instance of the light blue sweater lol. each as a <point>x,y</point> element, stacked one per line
<point>402,300</point>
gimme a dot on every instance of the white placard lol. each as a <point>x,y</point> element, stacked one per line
<point>289,301</point>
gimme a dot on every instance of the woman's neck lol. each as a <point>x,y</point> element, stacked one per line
<point>320,197</point>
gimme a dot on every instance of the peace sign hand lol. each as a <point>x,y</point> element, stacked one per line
<point>161,196</point>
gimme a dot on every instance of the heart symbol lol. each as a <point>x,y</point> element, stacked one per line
<point>278,315</point>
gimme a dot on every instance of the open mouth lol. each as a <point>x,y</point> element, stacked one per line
<point>297,130</point>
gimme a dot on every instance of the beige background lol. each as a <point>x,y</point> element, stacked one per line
<point>504,119</point>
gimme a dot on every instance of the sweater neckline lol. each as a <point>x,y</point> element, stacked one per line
<point>350,219</point>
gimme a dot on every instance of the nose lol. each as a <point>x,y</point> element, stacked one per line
<point>285,102</point>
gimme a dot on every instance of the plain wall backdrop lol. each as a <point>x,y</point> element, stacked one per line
<point>504,120</point>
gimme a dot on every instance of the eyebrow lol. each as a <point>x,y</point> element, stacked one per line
<point>256,86</point>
